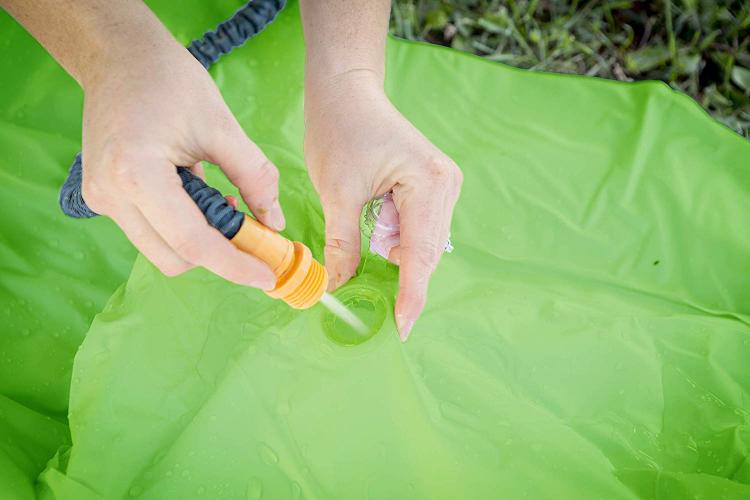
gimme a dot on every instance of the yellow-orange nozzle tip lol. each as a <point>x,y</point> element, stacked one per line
<point>300,280</point>
<point>304,281</point>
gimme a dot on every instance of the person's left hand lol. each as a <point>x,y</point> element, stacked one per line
<point>357,147</point>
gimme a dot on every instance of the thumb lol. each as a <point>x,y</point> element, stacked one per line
<point>342,251</point>
<point>254,175</point>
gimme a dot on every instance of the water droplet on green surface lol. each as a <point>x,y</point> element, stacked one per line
<point>268,455</point>
<point>296,491</point>
<point>254,489</point>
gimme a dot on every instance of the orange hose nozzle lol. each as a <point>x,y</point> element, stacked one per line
<point>300,279</point>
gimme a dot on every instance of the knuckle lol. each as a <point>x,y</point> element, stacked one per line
<point>267,173</point>
<point>427,255</point>
<point>122,174</point>
<point>120,165</point>
<point>190,249</point>
<point>458,181</point>
<point>172,269</point>
<point>226,128</point>
<point>339,246</point>
<point>262,188</point>
<point>438,170</point>
<point>93,194</point>
<point>458,177</point>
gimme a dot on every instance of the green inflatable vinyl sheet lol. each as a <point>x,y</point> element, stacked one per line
<point>589,337</point>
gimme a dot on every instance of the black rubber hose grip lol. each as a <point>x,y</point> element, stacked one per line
<point>219,213</point>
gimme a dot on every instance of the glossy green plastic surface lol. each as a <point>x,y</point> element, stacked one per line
<point>589,337</point>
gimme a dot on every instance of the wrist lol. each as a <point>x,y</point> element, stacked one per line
<point>138,38</point>
<point>330,89</point>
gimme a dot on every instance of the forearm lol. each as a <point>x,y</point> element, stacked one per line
<point>342,37</point>
<point>88,37</point>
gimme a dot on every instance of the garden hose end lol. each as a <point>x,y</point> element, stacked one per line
<point>300,280</point>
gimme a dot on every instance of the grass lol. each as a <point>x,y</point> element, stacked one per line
<point>700,47</point>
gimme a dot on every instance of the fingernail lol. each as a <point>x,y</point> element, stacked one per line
<point>232,201</point>
<point>267,283</point>
<point>268,286</point>
<point>404,326</point>
<point>277,216</point>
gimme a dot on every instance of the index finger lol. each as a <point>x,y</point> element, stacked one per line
<point>251,171</point>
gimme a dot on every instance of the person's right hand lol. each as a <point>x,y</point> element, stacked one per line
<point>145,112</point>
